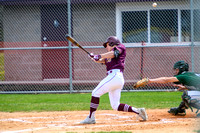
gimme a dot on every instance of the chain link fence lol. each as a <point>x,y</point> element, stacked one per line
<point>35,56</point>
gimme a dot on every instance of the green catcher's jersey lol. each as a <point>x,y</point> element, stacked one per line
<point>189,79</point>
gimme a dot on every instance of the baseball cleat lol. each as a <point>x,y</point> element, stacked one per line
<point>143,114</point>
<point>88,120</point>
<point>177,111</point>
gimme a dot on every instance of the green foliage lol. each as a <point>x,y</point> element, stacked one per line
<point>70,102</point>
<point>2,72</point>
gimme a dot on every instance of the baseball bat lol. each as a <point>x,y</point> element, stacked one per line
<point>73,41</point>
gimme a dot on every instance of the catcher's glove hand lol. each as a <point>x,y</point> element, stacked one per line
<point>141,83</point>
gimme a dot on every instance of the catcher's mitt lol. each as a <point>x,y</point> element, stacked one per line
<point>143,82</point>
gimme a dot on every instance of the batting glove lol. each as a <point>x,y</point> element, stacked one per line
<point>91,55</point>
<point>96,57</point>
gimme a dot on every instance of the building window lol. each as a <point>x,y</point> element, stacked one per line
<point>163,26</point>
<point>134,26</point>
<point>1,25</point>
<point>172,24</point>
<point>185,26</point>
<point>196,25</point>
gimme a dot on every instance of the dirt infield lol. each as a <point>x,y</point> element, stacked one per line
<point>107,120</point>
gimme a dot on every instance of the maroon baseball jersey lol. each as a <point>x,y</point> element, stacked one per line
<point>119,62</point>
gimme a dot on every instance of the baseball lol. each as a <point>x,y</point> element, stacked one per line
<point>154,4</point>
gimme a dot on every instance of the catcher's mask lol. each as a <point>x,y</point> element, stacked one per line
<point>182,66</point>
<point>112,40</point>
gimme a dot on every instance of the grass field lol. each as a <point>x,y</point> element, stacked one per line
<point>70,102</point>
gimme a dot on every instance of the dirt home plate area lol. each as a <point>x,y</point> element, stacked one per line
<point>107,120</point>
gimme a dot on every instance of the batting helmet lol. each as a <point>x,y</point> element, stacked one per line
<point>112,40</point>
<point>182,66</point>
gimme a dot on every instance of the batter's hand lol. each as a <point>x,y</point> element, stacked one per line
<point>141,83</point>
<point>96,57</point>
<point>91,55</point>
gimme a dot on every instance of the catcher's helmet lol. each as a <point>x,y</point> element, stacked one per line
<point>182,66</point>
<point>112,40</point>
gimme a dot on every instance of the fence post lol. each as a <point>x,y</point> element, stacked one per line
<point>70,48</point>
<point>192,33</point>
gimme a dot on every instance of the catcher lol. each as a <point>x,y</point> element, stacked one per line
<point>189,82</point>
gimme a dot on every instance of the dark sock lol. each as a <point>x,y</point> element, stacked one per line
<point>126,108</point>
<point>94,105</point>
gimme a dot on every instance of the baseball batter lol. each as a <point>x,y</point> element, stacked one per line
<point>113,83</point>
<point>184,80</point>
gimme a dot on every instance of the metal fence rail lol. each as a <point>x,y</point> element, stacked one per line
<point>35,56</point>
